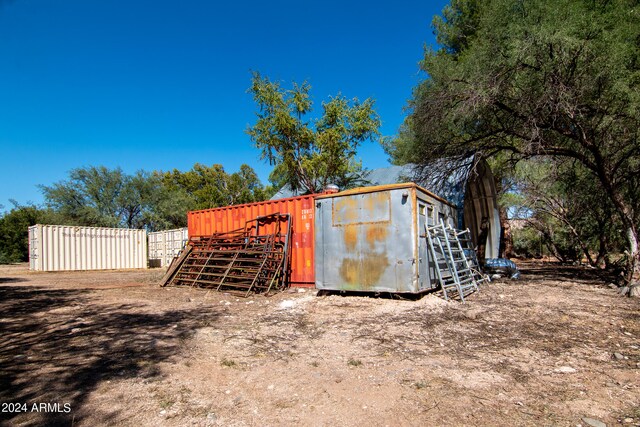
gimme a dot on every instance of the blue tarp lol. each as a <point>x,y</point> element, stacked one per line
<point>502,266</point>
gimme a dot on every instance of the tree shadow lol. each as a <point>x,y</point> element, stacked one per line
<point>543,271</point>
<point>56,346</point>
<point>12,279</point>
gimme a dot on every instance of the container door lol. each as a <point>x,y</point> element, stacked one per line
<point>423,209</point>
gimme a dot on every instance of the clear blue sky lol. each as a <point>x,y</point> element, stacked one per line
<point>158,85</point>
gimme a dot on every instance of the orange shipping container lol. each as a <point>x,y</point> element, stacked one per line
<point>220,220</point>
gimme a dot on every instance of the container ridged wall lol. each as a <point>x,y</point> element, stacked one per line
<point>205,222</point>
<point>66,248</point>
<point>166,244</point>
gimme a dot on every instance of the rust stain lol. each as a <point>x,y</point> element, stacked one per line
<point>376,233</point>
<point>345,210</point>
<point>363,272</point>
<point>351,237</point>
<point>376,202</point>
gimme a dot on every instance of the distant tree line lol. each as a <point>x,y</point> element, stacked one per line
<point>97,196</point>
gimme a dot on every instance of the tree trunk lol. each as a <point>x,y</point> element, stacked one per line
<point>632,276</point>
<point>602,260</point>
<point>548,241</point>
<point>625,210</point>
<point>506,238</point>
<point>633,269</point>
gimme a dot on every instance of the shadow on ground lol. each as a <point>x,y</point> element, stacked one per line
<point>542,271</point>
<point>56,346</point>
<point>12,279</point>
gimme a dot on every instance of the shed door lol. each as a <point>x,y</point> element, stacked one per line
<point>423,211</point>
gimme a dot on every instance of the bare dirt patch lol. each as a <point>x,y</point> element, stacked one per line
<point>550,349</point>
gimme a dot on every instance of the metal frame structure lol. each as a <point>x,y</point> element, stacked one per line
<point>455,267</point>
<point>250,259</point>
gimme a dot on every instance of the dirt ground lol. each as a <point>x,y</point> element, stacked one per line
<point>556,348</point>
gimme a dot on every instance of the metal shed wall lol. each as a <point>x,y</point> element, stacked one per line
<point>64,248</point>
<point>372,239</point>
<point>206,222</point>
<point>470,188</point>
<point>166,244</point>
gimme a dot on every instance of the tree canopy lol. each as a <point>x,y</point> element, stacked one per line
<point>309,154</point>
<point>14,242</point>
<point>540,78</point>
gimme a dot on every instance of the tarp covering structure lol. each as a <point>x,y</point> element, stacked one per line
<point>468,184</point>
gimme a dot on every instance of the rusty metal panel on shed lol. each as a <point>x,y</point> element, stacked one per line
<point>372,239</point>
<point>217,220</point>
<point>66,248</point>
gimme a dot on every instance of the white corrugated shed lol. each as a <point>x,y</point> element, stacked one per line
<point>65,248</point>
<point>166,244</point>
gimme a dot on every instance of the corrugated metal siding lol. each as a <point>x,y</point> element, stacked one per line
<point>166,244</point>
<point>301,209</point>
<point>64,248</point>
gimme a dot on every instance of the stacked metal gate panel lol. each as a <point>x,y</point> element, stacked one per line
<point>251,259</point>
<point>203,223</point>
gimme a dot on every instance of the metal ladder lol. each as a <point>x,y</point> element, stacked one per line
<point>456,275</point>
<point>466,244</point>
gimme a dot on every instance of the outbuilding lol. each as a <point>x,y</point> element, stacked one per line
<point>372,239</point>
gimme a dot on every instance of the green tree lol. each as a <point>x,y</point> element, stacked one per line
<point>136,199</point>
<point>550,78</point>
<point>89,197</point>
<point>14,236</point>
<point>310,154</point>
<point>205,187</point>
<point>574,224</point>
<point>103,197</point>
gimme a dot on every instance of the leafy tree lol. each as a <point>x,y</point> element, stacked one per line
<point>102,197</point>
<point>14,236</point>
<point>573,224</point>
<point>207,187</point>
<point>137,197</point>
<point>310,154</point>
<point>89,197</point>
<point>548,78</point>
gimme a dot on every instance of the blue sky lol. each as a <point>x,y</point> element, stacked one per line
<point>158,85</point>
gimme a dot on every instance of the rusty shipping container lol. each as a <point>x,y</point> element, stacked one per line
<point>217,220</point>
<point>372,239</point>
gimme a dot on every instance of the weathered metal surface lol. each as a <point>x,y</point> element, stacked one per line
<point>62,248</point>
<point>457,275</point>
<point>481,211</point>
<point>372,239</point>
<point>244,260</point>
<point>165,245</point>
<point>470,188</point>
<point>225,219</point>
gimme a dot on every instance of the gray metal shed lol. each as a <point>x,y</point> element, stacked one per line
<point>372,239</point>
<point>470,188</point>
